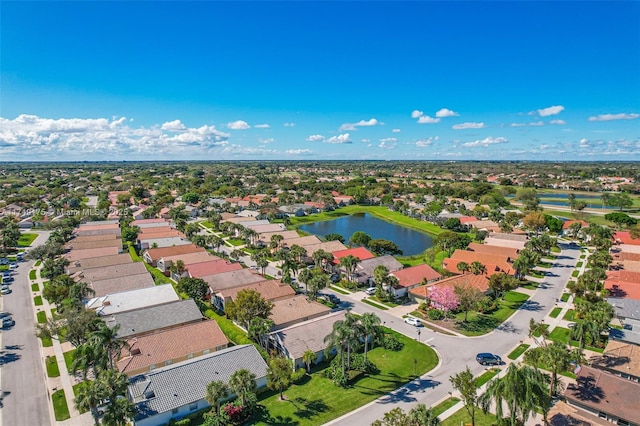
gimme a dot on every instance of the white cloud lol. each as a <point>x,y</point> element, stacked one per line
<point>173,126</point>
<point>343,138</point>
<point>444,112</point>
<point>365,140</point>
<point>552,110</point>
<point>238,125</point>
<point>485,142</point>
<point>289,124</point>
<point>244,150</point>
<point>425,119</point>
<point>517,124</point>
<point>389,140</point>
<point>537,124</point>
<point>80,138</point>
<point>361,123</point>
<point>468,125</point>
<point>609,117</point>
<point>388,143</point>
<point>416,113</point>
<point>298,151</point>
<point>266,140</point>
<point>558,122</point>
<point>315,138</point>
<point>262,126</point>
<point>426,142</point>
<point>395,131</point>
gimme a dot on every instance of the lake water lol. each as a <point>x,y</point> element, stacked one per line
<point>409,241</point>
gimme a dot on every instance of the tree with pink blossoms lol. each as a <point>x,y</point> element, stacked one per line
<point>444,298</point>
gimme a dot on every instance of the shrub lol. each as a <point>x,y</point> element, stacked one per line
<point>391,343</point>
<point>234,412</point>
<point>182,422</point>
<point>423,306</point>
<point>487,305</point>
<point>435,314</point>
<point>298,375</point>
<point>358,363</point>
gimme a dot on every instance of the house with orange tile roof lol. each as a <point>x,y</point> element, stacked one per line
<point>414,276</point>
<point>98,262</point>
<point>480,282</point>
<point>494,263</point>
<point>152,255</point>
<point>164,264</point>
<point>295,309</point>
<point>166,347</point>
<point>237,278</point>
<point>212,267</point>
<point>510,252</point>
<point>120,284</point>
<point>360,252</point>
<point>268,289</point>
<point>624,237</point>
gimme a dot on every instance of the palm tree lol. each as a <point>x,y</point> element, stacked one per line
<point>337,340</point>
<point>305,276</point>
<point>258,330</point>
<point>215,242</point>
<point>462,267</point>
<point>274,244</point>
<point>309,357</point>
<point>216,391</point>
<point>236,254</point>
<point>420,415</point>
<point>585,332</point>
<point>106,338</point>
<point>119,412</point>
<point>354,331</point>
<point>523,389</point>
<point>90,396</point>
<point>243,383</point>
<point>298,252</point>
<point>349,263</point>
<point>89,356</point>
<point>477,268</point>
<point>370,323</point>
<point>556,358</point>
<point>178,268</point>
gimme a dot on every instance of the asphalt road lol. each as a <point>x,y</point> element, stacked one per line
<point>457,352</point>
<point>24,394</point>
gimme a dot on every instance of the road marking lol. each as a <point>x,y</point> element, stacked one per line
<point>428,340</point>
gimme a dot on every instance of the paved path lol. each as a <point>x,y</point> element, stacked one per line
<point>25,400</point>
<point>457,352</point>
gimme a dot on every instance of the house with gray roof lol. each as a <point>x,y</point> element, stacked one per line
<point>153,318</point>
<point>365,268</point>
<point>175,391</point>
<point>295,340</point>
<point>625,308</point>
<point>124,283</point>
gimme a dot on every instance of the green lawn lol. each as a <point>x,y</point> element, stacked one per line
<point>37,300</point>
<point>461,417</point>
<point>536,274</point>
<point>26,239</point>
<point>235,241</point>
<point>375,305</point>
<point>486,376</point>
<point>46,343</point>
<point>232,331</point>
<point>206,224</point>
<point>76,391</point>
<point>38,263</point>
<point>68,359</point>
<point>545,264</point>
<point>555,249</point>
<point>158,277</point>
<point>35,287</point>
<point>52,367</point>
<point>478,324</point>
<point>555,312</point>
<point>445,405</point>
<point>60,407</point>
<point>530,285</point>
<point>518,351</point>
<point>579,264</point>
<point>318,400</point>
<point>389,304</point>
<point>565,296</point>
<point>538,331</point>
<point>42,317</point>
<point>575,273</point>
<point>570,315</point>
<point>562,335</point>
<point>339,290</point>
<point>133,254</point>
<point>32,274</point>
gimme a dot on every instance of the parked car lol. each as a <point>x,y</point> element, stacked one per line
<point>8,279</point>
<point>7,273</point>
<point>5,290</point>
<point>4,261</point>
<point>8,322</point>
<point>5,315</point>
<point>333,298</point>
<point>370,291</point>
<point>486,358</point>
<point>335,278</point>
<point>13,265</point>
<point>413,321</point>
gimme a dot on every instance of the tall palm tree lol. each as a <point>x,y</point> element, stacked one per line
<point>353,333</point>
<point>370,323</point>
<point>298,252</point>
<point>585,332</point>
<point>523,389</point>
<point>309,357</point>
<point>477,268</point>
<point>243,383</point>
<point>216,391</point>
<point>106,338</point>
<point>215,242</point>
<point>90,396</point>
<point>305,276</point>
<point>462,267</point>
<point>119,412</point>
<point>349,263</point>
<point>336,340</point>
<point>89,356</point>
<point>420,415</point>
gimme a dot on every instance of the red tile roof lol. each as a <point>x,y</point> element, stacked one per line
<point>359,252</point>
<point>624,237</point>
<point>465,219</point>
<point>494,250</point>
<point>481,282</point>
<point>197,270</point>
<point>568,223</point>
<point>415,274</point>
<point>493,263</point>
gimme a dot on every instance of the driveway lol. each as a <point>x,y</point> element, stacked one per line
<point>24,394</point>
<point>457,352</point>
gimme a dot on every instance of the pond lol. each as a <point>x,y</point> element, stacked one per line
<point>409,241</point>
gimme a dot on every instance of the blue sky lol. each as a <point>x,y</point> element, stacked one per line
<point>320,80</point>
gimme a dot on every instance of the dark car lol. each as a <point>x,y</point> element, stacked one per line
<point>486,358</point>
<point>333,298</point>
<point>7,279</point>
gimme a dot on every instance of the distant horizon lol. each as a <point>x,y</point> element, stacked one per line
<point>320,81</point>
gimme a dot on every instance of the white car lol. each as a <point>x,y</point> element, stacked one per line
<point>413,321</point>
<point>370,291</point>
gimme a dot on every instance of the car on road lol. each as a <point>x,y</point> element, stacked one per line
<point>13,265</point>
<point>333,298</point>
<point>8,322</point>
<point>486,358</point>
<point>370,291</point>
<point>5,315</point>
<point>413,321</point>
<point>5,290</point>
<point>335,278</point>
